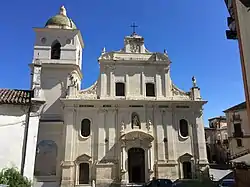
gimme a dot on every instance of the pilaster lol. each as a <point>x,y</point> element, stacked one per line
<point>103,85</point>
<point>127,85</point>
<point>143,85</point>
<point>171,136</point>
<point>167,84</point>
<point>158,86</point>
<point>68,166</point>
<point>112,84</point>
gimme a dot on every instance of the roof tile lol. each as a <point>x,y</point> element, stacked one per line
<point>20,97</point>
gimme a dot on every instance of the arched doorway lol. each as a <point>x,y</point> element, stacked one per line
<point>187,170</point>
<point>136,165</point>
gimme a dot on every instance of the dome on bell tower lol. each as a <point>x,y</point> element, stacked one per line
<point>61,21</point>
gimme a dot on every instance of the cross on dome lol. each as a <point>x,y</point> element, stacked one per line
<point>63,11</point>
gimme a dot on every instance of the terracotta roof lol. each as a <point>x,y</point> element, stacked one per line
<point>218,117</point>
<point>237,107</point>
<point>19,97</point>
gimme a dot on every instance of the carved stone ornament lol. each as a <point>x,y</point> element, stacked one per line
<point>123,126</point>
<point>37,92</point>
<point>149,124</point>
<point>107,56</point>
<point>67,163</point>
<point>72,80</point>
<point>90,92</point>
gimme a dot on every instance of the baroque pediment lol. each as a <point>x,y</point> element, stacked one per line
<point>107,56</point>
<point>89,93</point>
<point>178,92</point>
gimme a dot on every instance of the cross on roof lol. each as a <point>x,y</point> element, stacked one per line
<point>133,26</point>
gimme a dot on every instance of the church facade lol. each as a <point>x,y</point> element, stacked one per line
<point>131,125</point>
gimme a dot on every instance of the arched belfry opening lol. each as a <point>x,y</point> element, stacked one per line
<point>56,50</point>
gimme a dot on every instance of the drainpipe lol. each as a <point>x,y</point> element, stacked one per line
<point>25,139</point>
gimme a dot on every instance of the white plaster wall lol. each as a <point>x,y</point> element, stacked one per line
<point>12,120</point>
<point>54,84</point>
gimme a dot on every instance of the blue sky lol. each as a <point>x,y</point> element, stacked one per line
<point>193,32</point>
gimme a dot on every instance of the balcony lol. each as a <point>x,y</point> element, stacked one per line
<point>238,134</point>
<point>235,117</point>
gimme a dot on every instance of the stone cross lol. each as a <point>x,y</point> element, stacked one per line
<point>133,26</point>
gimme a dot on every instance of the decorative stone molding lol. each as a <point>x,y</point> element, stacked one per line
<point>67,164</point>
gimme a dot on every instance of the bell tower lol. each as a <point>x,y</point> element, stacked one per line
<point>58,48</point>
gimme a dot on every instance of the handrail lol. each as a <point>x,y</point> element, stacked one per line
<point>239,154</point>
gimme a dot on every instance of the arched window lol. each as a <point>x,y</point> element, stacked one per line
<point>83,173</point>
<point>150,90</point>
<point>119,89</point>
<point>85,128</point>
<point>56,50</point>
<point>183,127</point>
<point>46,153</point>
<point>135,120</point>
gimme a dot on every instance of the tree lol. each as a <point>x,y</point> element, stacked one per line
<point>12,178</point>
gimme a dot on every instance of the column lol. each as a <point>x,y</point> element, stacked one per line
<point>123,158</point>
<point>150,157</point>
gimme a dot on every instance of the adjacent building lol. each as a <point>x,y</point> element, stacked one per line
<point>239,28</point>
<point>19,120</point>
<point>238,130</point>
<point>217,140</point>
<point>131,125</point>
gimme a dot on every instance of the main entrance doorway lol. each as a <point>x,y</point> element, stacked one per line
<point>136,165</point>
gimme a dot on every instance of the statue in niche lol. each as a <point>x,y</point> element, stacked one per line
<point>135,121</point>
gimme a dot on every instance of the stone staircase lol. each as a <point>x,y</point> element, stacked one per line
<point>240,154</point>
